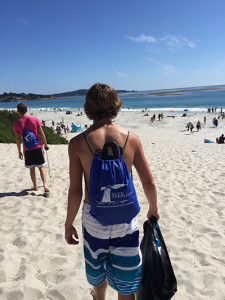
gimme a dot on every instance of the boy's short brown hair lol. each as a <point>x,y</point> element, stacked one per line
<point>22,108</point>
<point>102,101</point>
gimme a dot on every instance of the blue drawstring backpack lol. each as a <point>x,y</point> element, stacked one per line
<point>29,138</point>
<point>112,194</point>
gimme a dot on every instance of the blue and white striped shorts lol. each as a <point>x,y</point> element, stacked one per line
<point>112,252</point>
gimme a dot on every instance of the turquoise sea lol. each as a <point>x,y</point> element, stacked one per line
<point>191,100</point>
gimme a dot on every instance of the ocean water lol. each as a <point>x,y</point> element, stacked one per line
<point>193,101</point>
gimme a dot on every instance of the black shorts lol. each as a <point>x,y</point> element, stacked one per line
<point>34,158</point>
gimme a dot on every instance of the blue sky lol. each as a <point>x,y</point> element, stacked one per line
<point>51,46</point>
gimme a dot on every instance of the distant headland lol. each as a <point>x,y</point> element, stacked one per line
<point>22,97</point>
<point>15,97</point>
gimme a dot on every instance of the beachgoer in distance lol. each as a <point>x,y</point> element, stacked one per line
<point>191,127</point>
<point>58,129</point>
<point>65,129</point>
<point>198,126</point>
<point>221,139</point>
<point>152,119</point>
<point>33,158</point>
<point>107,249</point>
<point>188,125</point>
<point>215,122</point>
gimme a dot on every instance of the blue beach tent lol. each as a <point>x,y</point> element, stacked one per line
<point>76,128</point>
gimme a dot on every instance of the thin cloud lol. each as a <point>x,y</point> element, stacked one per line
<point>176,42</point>
<point>121,74</point>
<point>165,68</point>
<point>173,42</point>
<point>142,38</point>
<point>189,43</point>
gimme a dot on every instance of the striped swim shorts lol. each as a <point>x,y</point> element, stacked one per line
<point>112,252</point>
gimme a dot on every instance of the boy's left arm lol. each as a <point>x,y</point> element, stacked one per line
<point>43,137</point>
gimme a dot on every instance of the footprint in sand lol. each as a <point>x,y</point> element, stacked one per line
<point>20,242</point>
<point>55,295</point>
<point>2,276</point>
<point>15,295</point>
<point>59,237</point>
<point>51,263</point>
<point>56,276</point>
<point>190,288</point>
<point>207,230</point>
<point>1,258</point>
<point>31,293</point>
<point>63,251</point>
<point>219,194</point>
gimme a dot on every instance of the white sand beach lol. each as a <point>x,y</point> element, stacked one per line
<point>37,263</point>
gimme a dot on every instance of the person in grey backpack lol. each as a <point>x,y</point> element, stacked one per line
<point>29,128</point>
<point>104,154</point>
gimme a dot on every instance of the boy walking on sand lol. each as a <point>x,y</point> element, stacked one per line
<point>111,245</point>
<point>35,157</point>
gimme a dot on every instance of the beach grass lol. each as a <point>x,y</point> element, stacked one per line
<point>8,118</point>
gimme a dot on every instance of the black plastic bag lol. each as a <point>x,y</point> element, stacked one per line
<point>158,279</point>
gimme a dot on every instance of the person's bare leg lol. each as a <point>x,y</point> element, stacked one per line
<point>43,177</point>
<point>125,297</point>
<point>99,292</point>
<point>33,178</point>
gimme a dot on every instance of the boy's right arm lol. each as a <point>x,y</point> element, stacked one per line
<point>146,178</point>
<point>74,195</point>
<point>18,143</point>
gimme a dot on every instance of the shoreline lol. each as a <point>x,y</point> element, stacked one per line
<point>126,109</point>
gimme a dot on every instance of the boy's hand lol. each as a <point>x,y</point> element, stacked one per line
<point>20,155</point>
<point>71,235</point>
<point>46,148</point>
<point>153,212</point>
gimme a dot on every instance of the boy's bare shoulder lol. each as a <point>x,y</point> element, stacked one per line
<point>132,136</point>
<point>134,139</point>
<point>76,143</point>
